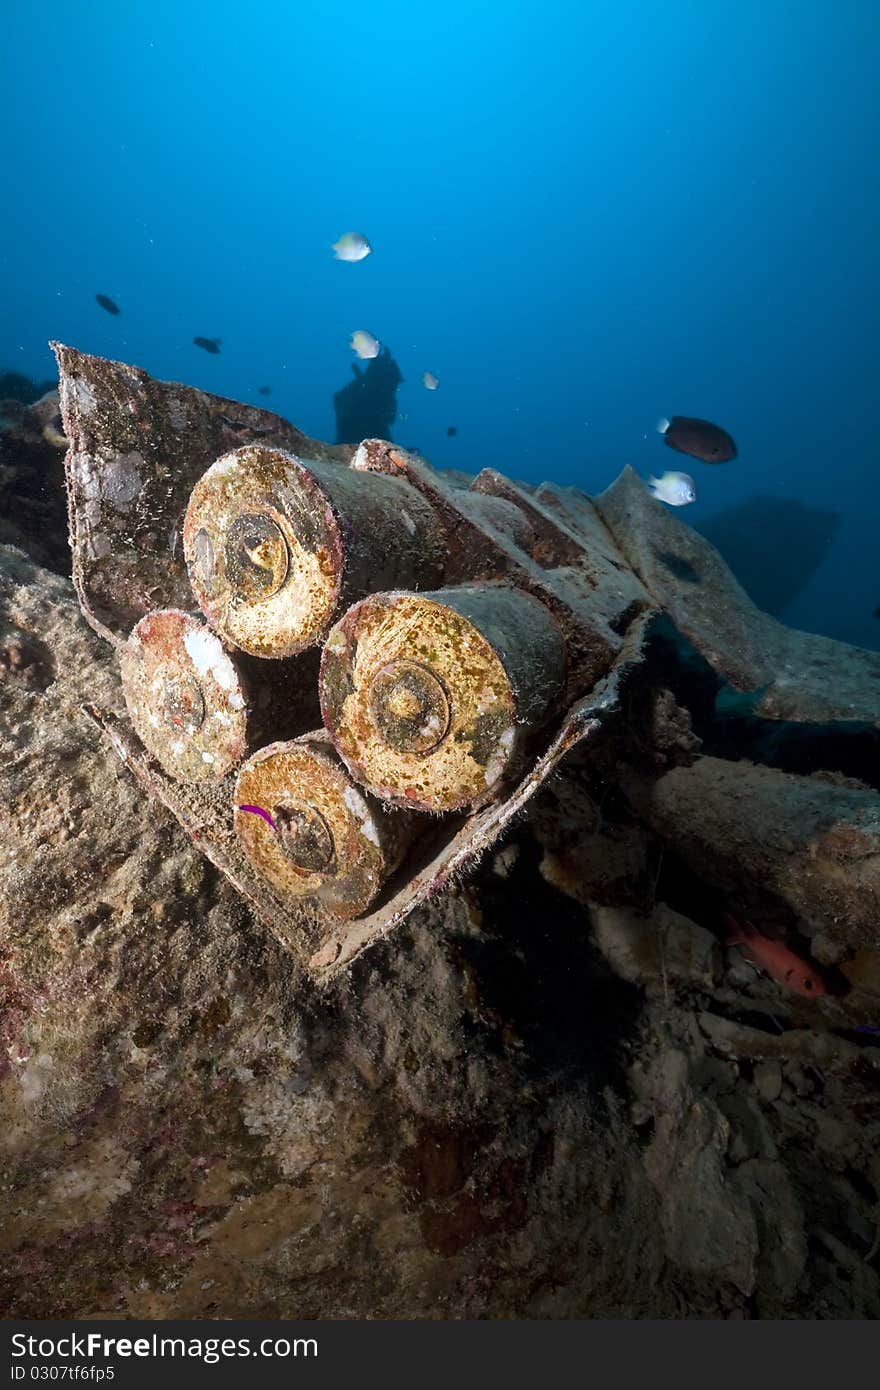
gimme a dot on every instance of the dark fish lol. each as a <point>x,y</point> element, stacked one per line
<point>699,438</point>
<point>265,390</point>
<point>107,303</point>
<point>877,613</point>
<point>451,430</point>
<point>209,344</point>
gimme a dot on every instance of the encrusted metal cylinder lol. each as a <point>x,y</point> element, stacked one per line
<point>430,697</point>
<point>311,831</point>
<point>277,547</point>
<point>197,709</point>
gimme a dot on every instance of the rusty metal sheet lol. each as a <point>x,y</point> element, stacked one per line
<point>136,448</point>
<point>801,676</point>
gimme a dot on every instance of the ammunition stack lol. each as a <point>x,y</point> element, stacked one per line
<point>376,649</point>
<point>347,673</point>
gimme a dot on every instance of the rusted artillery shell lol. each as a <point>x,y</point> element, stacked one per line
<point>277,546</point>
<point>311,831</point>
<point>197,709</point>
<point>429,697</point>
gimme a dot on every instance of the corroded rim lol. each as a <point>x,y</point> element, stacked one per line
<point>304,836</point>
<point>264,551</point>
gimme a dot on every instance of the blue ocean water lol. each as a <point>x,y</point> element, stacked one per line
<point>584,216</point>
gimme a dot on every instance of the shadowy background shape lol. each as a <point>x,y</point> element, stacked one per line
<point>33,498</point>
<point>367,407</point>
<point>774,546</point>
<point>14,386</point>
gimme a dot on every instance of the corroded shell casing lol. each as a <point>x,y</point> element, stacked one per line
<point>310,831</point>
<point>276,546</point>
<point>184,696</point>
<point>200,710</point>
<point>429,697</point>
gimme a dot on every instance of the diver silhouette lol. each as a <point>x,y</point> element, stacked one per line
<point>366,408</point>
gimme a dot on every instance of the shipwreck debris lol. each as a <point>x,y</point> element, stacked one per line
<point>33,513</point>
<point>814,845</point>
<point>800,675</point>
<point>821,1050</point>
<point>475,632</point>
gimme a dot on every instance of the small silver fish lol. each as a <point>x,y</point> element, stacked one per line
<point>364,344</point>
<point>676,489</point>
<point>352,246</point>
<point>430,381</point>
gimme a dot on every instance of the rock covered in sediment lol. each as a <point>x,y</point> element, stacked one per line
<point>747,1221</point>
<point>33,509</point>
<point>658,949</point>
<point>813,844</point>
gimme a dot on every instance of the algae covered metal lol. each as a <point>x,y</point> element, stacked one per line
<point>199,708</point>
<point>430,698</point>
<point>136,448</point>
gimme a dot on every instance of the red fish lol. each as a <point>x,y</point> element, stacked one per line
<point>783,965</point>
